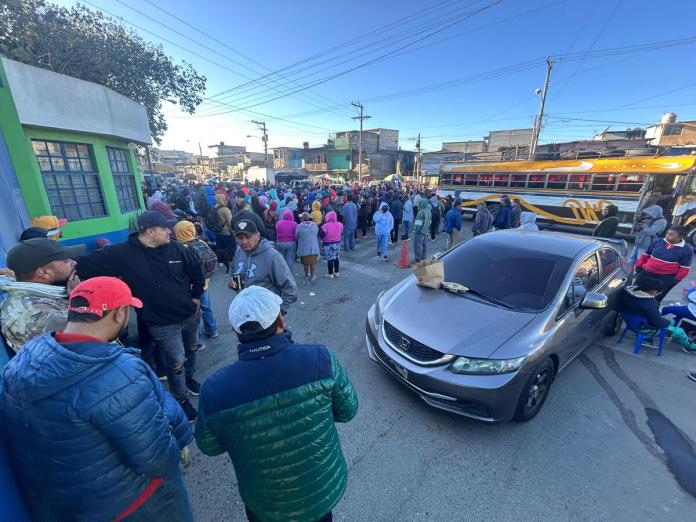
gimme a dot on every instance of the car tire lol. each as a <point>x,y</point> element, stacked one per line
<point>535,391</point>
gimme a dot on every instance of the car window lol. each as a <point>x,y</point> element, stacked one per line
<point>586,277</point>
<point>521,278</point>
<point>609,260</point>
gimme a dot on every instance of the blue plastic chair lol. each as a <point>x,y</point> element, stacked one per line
<point>634,324</point>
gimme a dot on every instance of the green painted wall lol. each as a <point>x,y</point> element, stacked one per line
<point>18,139</point>
<point>37,201</point>
<point>340,159</point>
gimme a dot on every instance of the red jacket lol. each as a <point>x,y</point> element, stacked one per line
<point>664,258</point>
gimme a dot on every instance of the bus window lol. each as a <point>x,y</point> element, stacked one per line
<point>486,180</point>
<point>457,179</point>
<point>579,182</point>
<point>445,179</point>
<point>557,181</point>
<point>604,182</point>
<point>518,180</point>
<point>536,180</point>
<point>471,180</point>
<point>501,180</point>
<point>631,182</point>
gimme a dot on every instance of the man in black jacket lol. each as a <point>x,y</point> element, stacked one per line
<point>169,281</point>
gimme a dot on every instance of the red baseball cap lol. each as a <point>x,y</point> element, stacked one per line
<point>103,294</point>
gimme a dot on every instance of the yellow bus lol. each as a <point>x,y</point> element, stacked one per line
<point>573,192</point>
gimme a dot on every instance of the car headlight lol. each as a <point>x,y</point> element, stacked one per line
<point>486,366</point>
<point>378,310</point>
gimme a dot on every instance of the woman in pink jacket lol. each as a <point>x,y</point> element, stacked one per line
<point>285,237</point>
<point>331,233</point>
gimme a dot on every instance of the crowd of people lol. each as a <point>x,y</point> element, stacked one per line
<point>84,415</point>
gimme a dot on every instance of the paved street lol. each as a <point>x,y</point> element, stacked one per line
<point>591,454</point>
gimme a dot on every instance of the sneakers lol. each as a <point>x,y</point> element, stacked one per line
<point>386,259</point>
<point>211,335</point>
<point>194,387</point>
<point>336,274</point>
<point>692,376</point>
<point>330,276</point>
<point>189,410</point>
<point>313,278</point>
<point>688,350</point>
<point>198,347</point>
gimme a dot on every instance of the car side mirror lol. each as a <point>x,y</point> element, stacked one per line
<point>593,301</point>
<point>437,255</point>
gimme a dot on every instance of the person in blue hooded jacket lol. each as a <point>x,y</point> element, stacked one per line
<point>384,223</point>
<point>92,434</point>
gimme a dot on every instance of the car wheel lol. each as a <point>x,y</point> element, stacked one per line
<point>535,391</point>
<point>691,238</point>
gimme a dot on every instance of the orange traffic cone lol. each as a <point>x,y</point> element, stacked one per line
<point>403,259</point>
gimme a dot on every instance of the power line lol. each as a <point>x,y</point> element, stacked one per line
<point>371,61</point>
<point>210,49</point>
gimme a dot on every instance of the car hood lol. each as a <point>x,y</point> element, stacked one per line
<point>450,323</point>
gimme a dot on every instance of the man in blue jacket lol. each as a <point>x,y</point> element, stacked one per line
<point>453,224</point>
<point>503,218</point>
<point>92,434</point>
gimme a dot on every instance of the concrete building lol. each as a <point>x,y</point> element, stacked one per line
<point>67,149</point>
<point>221,149</point>
<point>671,133</point>
<point>464,146</point>
<point>508,138</point>
<point>387,139</point>
<point>351,140</point>
<point>628,134</point>
<point>288,158</point>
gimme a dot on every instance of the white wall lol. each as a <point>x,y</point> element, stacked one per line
<point>47,99</point>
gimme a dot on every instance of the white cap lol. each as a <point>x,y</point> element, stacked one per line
<point>254,304</point>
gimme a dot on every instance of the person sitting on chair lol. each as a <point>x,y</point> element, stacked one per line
<point>640,300</point>
<point>687,311</point>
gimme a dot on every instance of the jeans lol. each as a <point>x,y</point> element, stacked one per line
<point>434,227</point>
<point>169,503</point>
<point>362,225</point>
<point>635,254</point>
<point>407,225</point>
<point>382,244</point>
<point>395,231</point>
<point>208,324</point>
<point>252,517</point>
<point>348,238</point>
<point>175,342</point>
<point>289,252</point>
<point>420,246</point>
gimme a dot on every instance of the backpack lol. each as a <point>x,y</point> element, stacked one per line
<point>213,220</point>
<point>206,257</point>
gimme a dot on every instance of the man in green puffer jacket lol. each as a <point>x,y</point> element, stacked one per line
<point>274,412</point>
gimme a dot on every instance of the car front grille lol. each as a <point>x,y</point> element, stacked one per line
<point>408,345</point>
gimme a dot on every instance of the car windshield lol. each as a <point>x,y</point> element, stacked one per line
<point>518,278</point>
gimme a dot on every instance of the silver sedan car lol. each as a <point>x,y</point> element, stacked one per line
<point>531,303</point>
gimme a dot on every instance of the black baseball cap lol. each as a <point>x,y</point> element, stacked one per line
<point>153,218</point>
<point>240,194</point>
<point>27,256</point>
<point>245,226</point>
<point>33,233</point>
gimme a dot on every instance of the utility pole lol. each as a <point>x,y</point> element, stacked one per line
<point>417,169</point>
<point>361,117</point>
<point>540,116</point>
<point>264,138</point>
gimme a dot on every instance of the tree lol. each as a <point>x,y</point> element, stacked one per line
<point>86,44</point>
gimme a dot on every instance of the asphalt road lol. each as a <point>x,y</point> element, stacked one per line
<point>614,440</point>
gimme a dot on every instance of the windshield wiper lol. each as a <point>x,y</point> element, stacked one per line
<point>489,298</point>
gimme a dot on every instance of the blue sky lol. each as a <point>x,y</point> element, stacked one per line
<point>617,90</point>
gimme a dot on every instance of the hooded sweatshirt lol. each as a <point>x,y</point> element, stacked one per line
<point>285,228</point>
<point>423,218</point>
<point>31,309</point>
<point>384,221</point>
<point>528,222</point>
<point>665,258</point>
<point>316,214</point>
<point>350,215</point>
<point>89,427</point>
<point>332,229</point>
<point>307,234</point>
<point>264,266</point>
<point>224,213</point>
<point>609,225</point>
<point>652,229</point>
<point>407,214</point>
<point>637,302</point>
<point>483,219</point>
<point>165,278</point>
